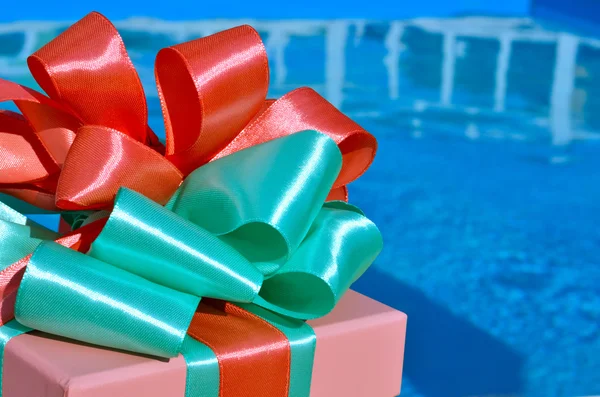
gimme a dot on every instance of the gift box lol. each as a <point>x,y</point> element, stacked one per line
<point>188,267</point>
<point>359,353</point>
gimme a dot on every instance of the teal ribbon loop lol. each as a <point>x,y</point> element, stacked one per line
<point>262,201</point>
<point>146,239</point>
<point>340,245</point>
<point>251,227</point>
<point>74,295</point>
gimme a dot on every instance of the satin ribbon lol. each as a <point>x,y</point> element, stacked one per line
<point>261,235</point>
<point>11,275</point>
<point>251,228</point>
<point>232,208</point>
<point>74,148</point>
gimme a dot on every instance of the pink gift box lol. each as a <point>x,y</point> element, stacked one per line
<point>360,349</point>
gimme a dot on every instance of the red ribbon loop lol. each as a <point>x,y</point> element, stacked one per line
<point>304,109</point>
<point>210,89</point>
<point>33,145</point>
<point>20,148</point>
<point>87,69</point>
<point>102,159</point>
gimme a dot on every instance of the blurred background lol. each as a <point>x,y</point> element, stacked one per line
<point>487,182</point>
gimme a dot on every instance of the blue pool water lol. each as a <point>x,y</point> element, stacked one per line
<point>486,185</point>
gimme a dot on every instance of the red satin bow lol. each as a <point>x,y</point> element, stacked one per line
<point>75,148</point>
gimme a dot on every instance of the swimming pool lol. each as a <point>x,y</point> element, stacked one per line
<point>486,185</point>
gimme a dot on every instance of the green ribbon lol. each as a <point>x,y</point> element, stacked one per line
<point>202,377</point>
<point>251,228</point>
<point>67,293</point>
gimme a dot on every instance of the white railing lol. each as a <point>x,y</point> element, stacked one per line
<point>337,37</point>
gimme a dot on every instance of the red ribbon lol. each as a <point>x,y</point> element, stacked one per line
<point>254,356</point>
<point>73,149</point>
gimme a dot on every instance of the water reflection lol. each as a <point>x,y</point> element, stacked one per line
<point>469,77</point>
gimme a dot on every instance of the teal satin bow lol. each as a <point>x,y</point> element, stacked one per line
<point>250,227</point>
